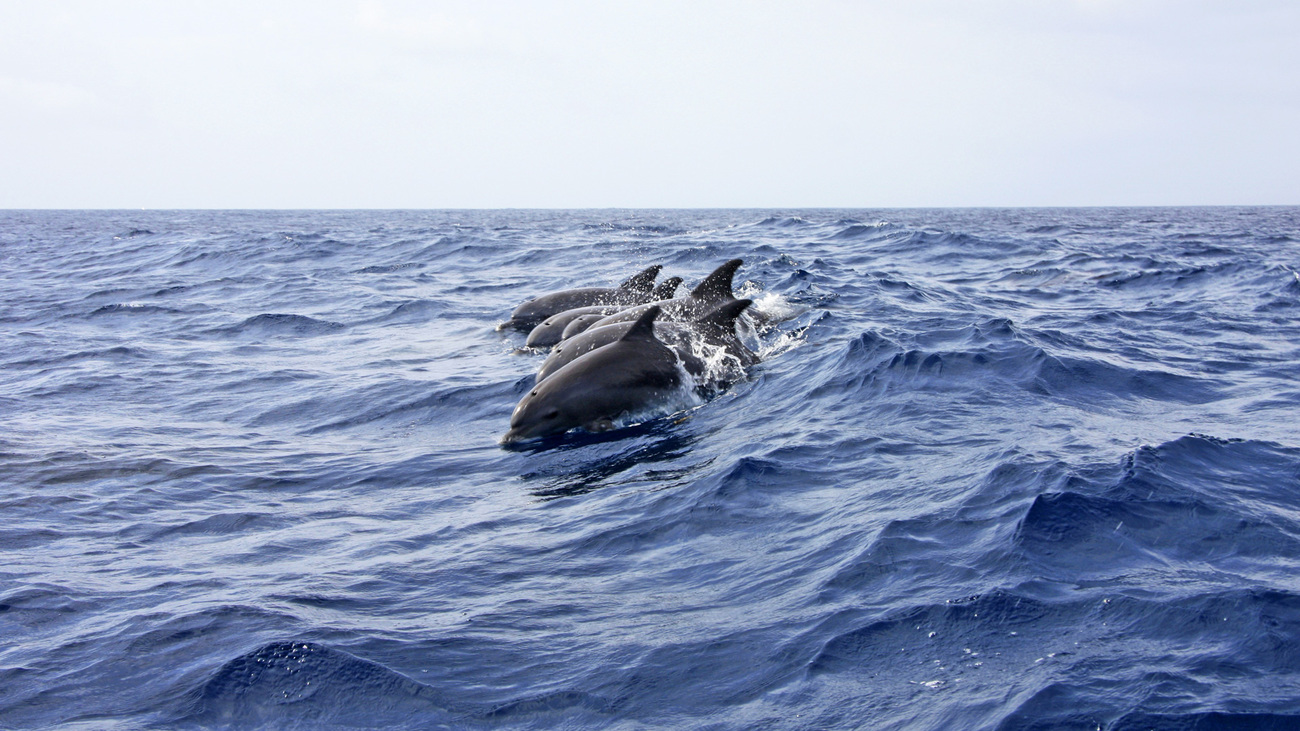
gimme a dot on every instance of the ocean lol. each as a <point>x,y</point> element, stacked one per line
<point>998,469</point>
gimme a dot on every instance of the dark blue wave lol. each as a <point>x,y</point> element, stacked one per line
<point>301,685</point>
<point>997,469</point>
<point>282,324</point>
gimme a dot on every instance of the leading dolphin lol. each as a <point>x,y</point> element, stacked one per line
<point>635,290</point>
<point>627,376</point>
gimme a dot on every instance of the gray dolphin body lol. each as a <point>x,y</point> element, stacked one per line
<point>551,330</point>
<point>579,325</point>
<point>629,375</point>
<point>716,328</point>
<point>713,291</point>
<point>635,290</point>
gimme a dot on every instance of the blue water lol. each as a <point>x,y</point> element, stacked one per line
<point>1001,469</point>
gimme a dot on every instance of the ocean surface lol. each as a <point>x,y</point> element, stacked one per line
<point>999,469</point>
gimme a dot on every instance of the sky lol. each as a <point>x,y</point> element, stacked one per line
<point>697,104</point>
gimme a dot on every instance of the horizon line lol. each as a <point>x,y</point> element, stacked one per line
<point>664,208</point>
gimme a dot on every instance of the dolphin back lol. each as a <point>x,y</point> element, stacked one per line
<point>644,327</point>
<point>724,315</point>
<point>643,281</point>
<point>666,289</point>
<point>717,286</point>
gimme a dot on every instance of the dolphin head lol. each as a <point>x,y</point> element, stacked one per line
<point>592,391</point>
<point>541,414</point>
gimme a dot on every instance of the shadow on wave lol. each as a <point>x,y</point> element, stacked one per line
<point>391,268</point>
<point>134,308</point>
<point>411,312</point>
<point>996,350</point>
<point>306,685</point>
<point>1211,721</point>
<point>856,230</point>
<point>645,229</point>
<point>604,455</point>
<point>1082,661</point>
<point>952,545</point>
<point>709,496</point>
<point>783,222</point>
<point>923,244</point>
<point>1168,275</point>
<point>382,402</point>
<point>1196,502</point>
<point>281,325</point>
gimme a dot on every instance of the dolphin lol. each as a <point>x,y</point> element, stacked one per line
<point>713,291</point>
<point>579,325</point>
<point>716,328</point>
<point>627,376</point>
<point>635,290</point>
<point>551,330</point>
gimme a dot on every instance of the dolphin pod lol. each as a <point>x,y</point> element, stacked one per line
<point>626,350</point>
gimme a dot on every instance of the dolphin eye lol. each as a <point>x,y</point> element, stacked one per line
<point>552,414</point>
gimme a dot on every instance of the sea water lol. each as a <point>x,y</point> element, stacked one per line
<point>999,469</point>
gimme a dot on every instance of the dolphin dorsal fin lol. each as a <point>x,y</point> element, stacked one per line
<point>725,314</point>
<point>666,289</point>
<point>643,281</point>
<point>644,327</point>
<point>717,286</point>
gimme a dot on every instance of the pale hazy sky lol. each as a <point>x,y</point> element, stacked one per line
<point>391,104</point>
